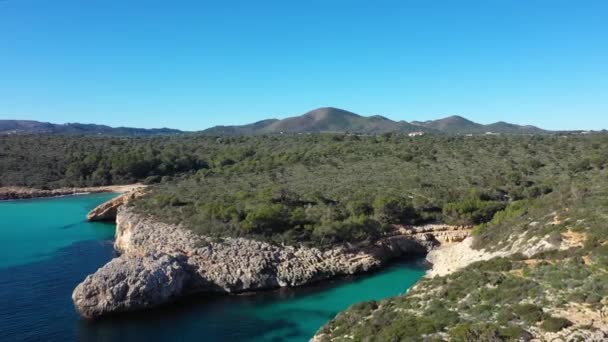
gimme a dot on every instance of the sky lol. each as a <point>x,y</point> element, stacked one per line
<point>195,64</point>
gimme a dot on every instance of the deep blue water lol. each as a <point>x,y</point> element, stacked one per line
<point>35,288</point>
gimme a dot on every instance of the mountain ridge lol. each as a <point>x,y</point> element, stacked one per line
<point>335,120</point>
<point>320,120</point>
<point>21,127</point>
<point>456,124</point>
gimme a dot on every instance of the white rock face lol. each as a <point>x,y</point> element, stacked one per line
<point>450,258</point>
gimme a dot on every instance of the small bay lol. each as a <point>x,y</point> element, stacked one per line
<point>49,248</point>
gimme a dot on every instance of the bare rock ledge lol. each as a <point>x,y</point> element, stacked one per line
<point>107,211</point>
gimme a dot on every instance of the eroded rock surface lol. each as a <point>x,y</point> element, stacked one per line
<point>126,284</point>
<point>451,258</point>
<point>107,211</point>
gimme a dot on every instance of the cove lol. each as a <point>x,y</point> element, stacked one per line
<point>48,249</point>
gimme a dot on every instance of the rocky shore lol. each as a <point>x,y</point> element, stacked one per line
<point>109,210</point>
<point>160,263</point>
<point>589,324</point>
<point>16,193</point>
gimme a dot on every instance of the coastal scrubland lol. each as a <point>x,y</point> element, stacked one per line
<point>322,190</point>
<point>317,189</point>
<point>514,297</point>
<point>325,189</point>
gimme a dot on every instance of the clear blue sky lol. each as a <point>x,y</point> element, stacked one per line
<point>195,64</point>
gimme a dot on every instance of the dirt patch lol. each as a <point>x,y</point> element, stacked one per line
<point>572,239</point>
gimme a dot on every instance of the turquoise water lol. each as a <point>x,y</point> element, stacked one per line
<point>34,229</point>
<point>49,249</point>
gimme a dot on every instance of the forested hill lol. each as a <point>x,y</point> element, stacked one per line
<point>36,127</point>
<point>334,120</point>
<point>321,120</point>
<point>459,125</point>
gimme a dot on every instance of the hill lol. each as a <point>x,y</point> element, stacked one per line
<point>36,127</point>
<point>459,125</point>
<point>321,120</point>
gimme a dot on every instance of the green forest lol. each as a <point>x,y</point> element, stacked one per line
<point>316,189</point>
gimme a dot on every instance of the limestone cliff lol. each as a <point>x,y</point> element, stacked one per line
<point>178,262</point>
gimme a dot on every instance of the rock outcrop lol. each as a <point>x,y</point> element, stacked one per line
<point>179,262</point>
<point>451,258</point>
<point>126,284</point>
<point>443,233</point>
<point>107,211</point>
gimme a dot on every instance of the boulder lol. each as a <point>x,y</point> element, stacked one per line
<point>131,283</point>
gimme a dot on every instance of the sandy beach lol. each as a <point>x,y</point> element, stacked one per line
<point>15,193</point>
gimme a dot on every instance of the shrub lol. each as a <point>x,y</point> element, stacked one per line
<point>529,313</point>
<point>266,219</point>
<point>391,209</point>
<point>152,180</point>
<point>555,324</point>
<point>471,211</point>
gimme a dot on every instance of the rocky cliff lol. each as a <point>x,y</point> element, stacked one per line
<point>161,262</point>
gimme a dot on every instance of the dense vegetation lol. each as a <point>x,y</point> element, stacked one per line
<point>45,161</point>
<point>319,189</point>
<point>324,189</point>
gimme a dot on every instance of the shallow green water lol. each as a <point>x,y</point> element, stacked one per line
<point>49,249</point>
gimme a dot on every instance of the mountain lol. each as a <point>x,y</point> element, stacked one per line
<point>321,120</point>
<point>37,127</point>
<point>329,119</point>
<point>459,125</point>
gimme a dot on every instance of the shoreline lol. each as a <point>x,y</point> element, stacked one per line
<point>13,193</point>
